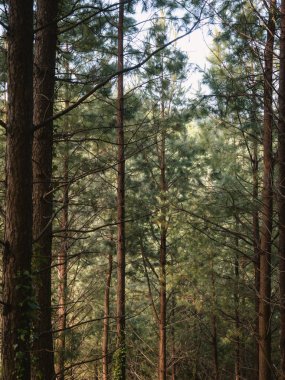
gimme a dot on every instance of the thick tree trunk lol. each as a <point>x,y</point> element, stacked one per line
<point>44,79</point>
<point>121,338</point>
<point>17,292</point>
<point>106,320</point>
<point>62,268</point>
<point>265,368</point>
<point>281,199</point>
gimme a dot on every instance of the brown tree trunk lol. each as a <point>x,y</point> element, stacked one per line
<point>267,208</point>
<point>106,320</point>
<point>62,268</point>
<point>121,338</point>
<point>281,199</point>
<point>44,79</point>
<point>256,249</point>
<point>162,304</point>
<point>17,291</point>
<point>237,320</point>
<point>162,260</point>
<point>214,325</point>
<point>172,329</point>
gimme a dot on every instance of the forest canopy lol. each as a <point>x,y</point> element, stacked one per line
<point>142,196</point>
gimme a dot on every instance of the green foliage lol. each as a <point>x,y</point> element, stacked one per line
<point>119,359</point>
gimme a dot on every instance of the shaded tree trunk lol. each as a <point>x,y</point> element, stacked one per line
<point>162,304</point>
<point>17,287</point>
<point>237,319</point>
<point>44,80</point>
<point>256,250</point>
<point>62,268</point>
<point>162,259</point>
<point>267,208</point>
<point>281,199</point>
<point>214,324</point>
<point>121,335</point>
<point>106,320</point>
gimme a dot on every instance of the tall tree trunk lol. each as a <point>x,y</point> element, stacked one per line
<point>281,199</point>
<point>162,260</point>
<point>121,336</point>
<point>237,316</point>
<point>256,249</point>
<point>44,80</point>
<point>162,302</point>
<point>267,208</point>
<point>172,329</point>
<point>17,291</point>
<point>106,320</point>
<point>214,324</point>
<point>62,267</point>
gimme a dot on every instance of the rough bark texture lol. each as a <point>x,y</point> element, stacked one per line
<point>17,292</point>
<point>106,320</point>
<point>265,369</point>
<point>44,78</point>
<point>281,199</point>
<point>121,335</point>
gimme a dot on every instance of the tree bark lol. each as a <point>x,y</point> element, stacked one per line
<point>267,208</point>
<point>44,80</point>
<point>162,259</point>
<point>62,267</point>
<point>17,291</point>
<point>106,320</point>
<point>237,318</point>
<point>256,249</point>
<point>216,374</point>
<point>281,199</point>
<point>121,338</point>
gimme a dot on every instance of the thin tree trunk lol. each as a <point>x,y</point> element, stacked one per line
<point>237,316</point>
<point>172,330</point>
<point>162,260</point>
<point>44,80</point>
<point>106,319</point>
<point>62,268</point>
<point>281,199</point>
<point>256,249</point>
<point>121,337</point>
<point>214,325</point>
<point>17,291</point>
<point>267,208</point>
<point>162,302</point>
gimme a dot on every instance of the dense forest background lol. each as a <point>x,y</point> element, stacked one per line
<point>142,224</point>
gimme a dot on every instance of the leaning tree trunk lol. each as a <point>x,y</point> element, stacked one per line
<point>44,80</point>
<point>17,292</point>
<point>120,365</point>
<point>281,200</point>
<point>267,208</point>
